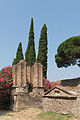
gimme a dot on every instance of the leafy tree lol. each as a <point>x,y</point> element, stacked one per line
<point>42,51</point>
<point>30,55</point>
<point>19,54</point>
<point>68,52</point>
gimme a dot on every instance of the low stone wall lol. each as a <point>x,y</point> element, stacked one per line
<point>59,105</point>
<point>21,99</point>
<point>70,82</point>
<point>63,104</point>
<point>76,108</point>
<point>35,98</point>
<point>35,101</point>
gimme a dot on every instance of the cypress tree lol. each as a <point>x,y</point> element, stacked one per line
<point>30,55</point>
<point>43,50</point>
<point>19,54</point>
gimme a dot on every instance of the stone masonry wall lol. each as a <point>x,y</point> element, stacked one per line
<point>19,74</point>
<point>63,105</point>
<point>59,105</point>
<point>37,75</point>
<point>76,106</point>
<point>22,74</point>
<point>70,82</point>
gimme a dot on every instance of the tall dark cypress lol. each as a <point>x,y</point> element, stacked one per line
<point>30,55</point>
<point>43,50</point>
<point>19,54</point>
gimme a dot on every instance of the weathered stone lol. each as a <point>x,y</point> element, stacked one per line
<point>38,75</point>
<point>58,99</point>
<point>22,74</point>
<point>28,73</point>
<point>19,74</point>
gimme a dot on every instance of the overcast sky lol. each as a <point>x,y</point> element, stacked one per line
<point>62,18</point>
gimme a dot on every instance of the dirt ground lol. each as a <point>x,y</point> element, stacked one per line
<point>27,114</point>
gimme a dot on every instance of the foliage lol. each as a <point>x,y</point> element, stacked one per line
<point>48,85</point>
<point>68,52</point>
<point>6,82</point>
<point>19,54</point>
<point>42,51</point>
<point>30,55</point>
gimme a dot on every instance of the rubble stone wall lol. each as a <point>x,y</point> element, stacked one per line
<point>59,105</point>
<point>63,105</point>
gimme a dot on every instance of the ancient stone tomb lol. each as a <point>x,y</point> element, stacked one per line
<point>22,74</point>
<point>62,100</point>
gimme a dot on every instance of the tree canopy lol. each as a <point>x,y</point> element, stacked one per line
<point>43,50</point>
<point>68,52</point>
<point>19,54</point>
<point>30,54</point>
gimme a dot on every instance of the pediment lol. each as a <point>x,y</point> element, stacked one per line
<point>59,91</point>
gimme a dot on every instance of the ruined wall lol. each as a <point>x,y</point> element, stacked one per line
<point>59,105</point>
<point>20,89</point>
<point>74,84</point>
<point>22,99</point>
<point>35,74</point>
<point>63,103</point>
<point>76,106</point>
<point>19,73</point>
<point>70,82</point>
<point>22,74</point>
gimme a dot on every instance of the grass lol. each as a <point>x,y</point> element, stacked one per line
<point>52,116</point>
